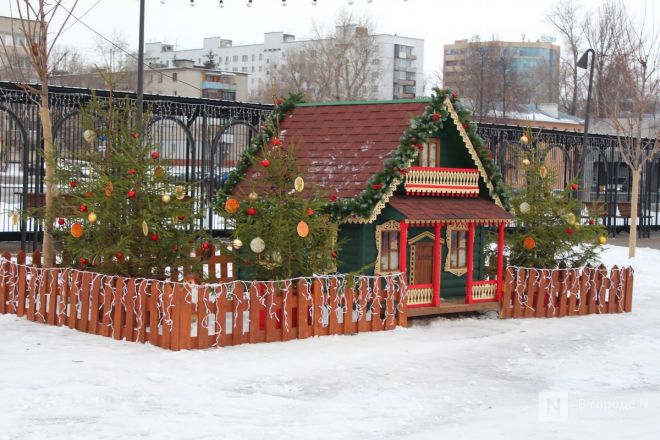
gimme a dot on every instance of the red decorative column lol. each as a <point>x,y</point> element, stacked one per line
<point>500,259</point>
<point>403,246</point>
<point>437,252</point>
<point>470,263</point>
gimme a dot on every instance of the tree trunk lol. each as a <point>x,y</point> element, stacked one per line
<point>632,240</point>
<point>49,157</point>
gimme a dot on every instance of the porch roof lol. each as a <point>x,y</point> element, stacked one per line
<point>431,210</point>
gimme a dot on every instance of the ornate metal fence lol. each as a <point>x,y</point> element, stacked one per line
<point>202,138</point>
<point>607,178</point>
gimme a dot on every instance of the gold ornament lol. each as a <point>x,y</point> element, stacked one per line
<point>543,172</point>
<point>253,196</point>
<point>237,243</point>
<point>526,162</point>
<point>89,136</point>
<point>525,207</point>
<point>77,230</point>
<point>145,228</point>
<point>529,243</point>
<point>524,139</point>
<point>231,205</point>
<point>602,239</point>
<point>179,192</point>
<point>14,218</point>
<point>166,198</point>
<point>302,229</point>
<point>299,184</point>
<point>91,217</point>
<point>570,218</point>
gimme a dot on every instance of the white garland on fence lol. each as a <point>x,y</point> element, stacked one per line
<point>331,301</point>
<point>570,285</point>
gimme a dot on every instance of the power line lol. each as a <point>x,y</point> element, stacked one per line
<point>103,37</point>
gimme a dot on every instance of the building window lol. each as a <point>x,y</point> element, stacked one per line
<point>387,243</point>
<point>429,156</point>
<point>260,68</point>
<point>252,57</point>
<point>244,69</point>
<point>234,69</point>
<point>234,58</point>
<point>457,250</point>
<point>260,56</point>
<point>244,58</point>
<point>174,77</point>
<point>227,60</point>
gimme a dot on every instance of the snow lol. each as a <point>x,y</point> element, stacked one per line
<point>442,378</point>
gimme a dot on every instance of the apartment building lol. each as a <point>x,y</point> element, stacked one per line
<point>401,60</point>
<point>14,62</point>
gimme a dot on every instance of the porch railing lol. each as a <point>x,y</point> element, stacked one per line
<point>420,294</point>
<point>484,290</point>
<point>442,181</point>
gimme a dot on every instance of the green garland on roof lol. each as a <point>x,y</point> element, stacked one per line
<point>421,128</point>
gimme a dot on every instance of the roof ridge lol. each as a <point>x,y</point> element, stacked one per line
<point>392,101</point>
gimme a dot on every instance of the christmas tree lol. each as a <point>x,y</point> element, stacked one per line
<point>119,210</point>
<point>549,231</point>
<point>281,229</point>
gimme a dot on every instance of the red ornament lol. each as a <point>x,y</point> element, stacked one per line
<point>465,125</point>
<point>119,256</point>
<point>181,217</point>
<point>83,261</point>
<point>73,183</point>
<point>592,221</point>
<point>251,211</point>
<point>154,155</point>
<point>60,221</point>
<point>574,187</point>
<point>377,186</point>
<point>131,194</point>
<point>453,96</point>
<point>569,231</point>
<point>490,155</point>
<point>334,254</point>
<point>403,172</point>
<point>333,198</point>
<point>89,193</point>
<point>154,237</point>
<point>265,163</point>
<point>420,146</point>
<point>175,248</point>
<point>276,141</point>
<point>131,171</point>
<point>310,211</point>
<point>435,116</point>
<point>205,245</point>
<point>279,101</point>
<point>83,208</point>
<point>135,135</point>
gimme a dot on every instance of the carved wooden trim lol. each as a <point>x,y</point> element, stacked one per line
<point>456,271</point>
<point>388,226</point>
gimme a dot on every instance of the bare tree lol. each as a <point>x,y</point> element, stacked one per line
<point>565,17</point>
<point>68,60</point>
<point>638,65</point>
<point>36,17</point>
<point>341,65</point>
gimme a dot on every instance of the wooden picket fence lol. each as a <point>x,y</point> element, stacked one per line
<point>541,293</point>
<point>182,315</point>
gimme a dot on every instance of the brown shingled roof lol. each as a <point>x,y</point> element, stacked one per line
<point>448,209</point>
<point>339,147</point>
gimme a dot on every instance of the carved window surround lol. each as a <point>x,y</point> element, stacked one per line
<point>458,271</point>
<point>388,226</point>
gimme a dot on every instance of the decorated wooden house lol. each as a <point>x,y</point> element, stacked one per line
<point>414,188</point>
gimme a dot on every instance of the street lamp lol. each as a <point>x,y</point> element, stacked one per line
<point>582,64</point>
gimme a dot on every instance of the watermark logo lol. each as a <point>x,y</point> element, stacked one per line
<point>553,406</point>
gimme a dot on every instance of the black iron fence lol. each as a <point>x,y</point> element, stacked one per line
<point>204,138</point>
<point>201,138</point>
<point>607,179</point>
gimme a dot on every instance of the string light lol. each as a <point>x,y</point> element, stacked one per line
<point>221,4</point>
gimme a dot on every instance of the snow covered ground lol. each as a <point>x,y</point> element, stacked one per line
<point>461,378</point>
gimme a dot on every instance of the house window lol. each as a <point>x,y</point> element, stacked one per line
<point>457,250</point>
<point>387,244</point>
<point>389,254</point>
<point>429,156</point>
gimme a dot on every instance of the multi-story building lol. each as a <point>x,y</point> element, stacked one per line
<point>183,78</point>
<point>14,62</point>
<point>401,60</point>
<point>535,63</point>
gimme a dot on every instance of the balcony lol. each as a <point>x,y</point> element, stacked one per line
<point>442,181</point>
<point>217,86</point>
<point>404,82</point>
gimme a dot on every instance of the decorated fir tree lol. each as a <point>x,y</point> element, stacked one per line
<point>549,231</point>
<point>281,230</point>
<point>119,210</point>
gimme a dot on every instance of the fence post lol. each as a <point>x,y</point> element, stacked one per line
<point>628,289</point>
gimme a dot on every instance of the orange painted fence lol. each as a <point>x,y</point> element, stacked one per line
<point>548,293</point>
<point>179,315</point>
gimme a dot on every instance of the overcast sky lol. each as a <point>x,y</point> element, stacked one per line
<point>438,22</point>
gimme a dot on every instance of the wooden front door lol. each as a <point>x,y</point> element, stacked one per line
<point>424,263</point>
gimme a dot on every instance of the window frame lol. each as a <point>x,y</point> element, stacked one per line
<point>389,227</point>
<point>456,245</point>
<point>424,153</point>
